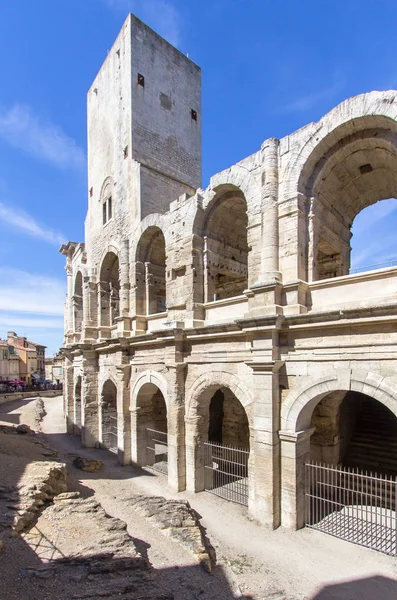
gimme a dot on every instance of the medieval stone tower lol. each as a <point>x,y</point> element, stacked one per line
<point>218,334</point>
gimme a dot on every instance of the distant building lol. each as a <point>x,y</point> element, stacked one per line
<point>9,362</point>
<point>54,369</point>
<point>31,357</point>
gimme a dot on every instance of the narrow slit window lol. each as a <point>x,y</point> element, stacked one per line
<point>104,212</point>
<point>109,208</point>
<point>194,115</point>
<point>141,80</point>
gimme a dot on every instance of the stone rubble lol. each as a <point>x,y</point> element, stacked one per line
<point>177,520</point>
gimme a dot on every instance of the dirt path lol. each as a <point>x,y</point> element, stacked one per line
<point>263,564</point>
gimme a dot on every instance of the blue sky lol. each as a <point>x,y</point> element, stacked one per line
<point>269,67</point>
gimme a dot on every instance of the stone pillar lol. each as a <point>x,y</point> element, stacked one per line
<point>123,413</point>
<point>124,280</point>
<point>295,452</point>
<point>195,472</point>
<point>264,296</point>
<point>209,284</point>
<point>270,267</point>
<point>68,395</point>
<point>176,427</point>
<point>264,493</point>
<point>69,300</point>
<point>90,401</point>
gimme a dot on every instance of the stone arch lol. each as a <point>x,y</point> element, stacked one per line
<point>208,383</point>
<point>148,377</point>
<point>296,432</point>
<point>78,301</point>
<point>153,220</point>
<point>340,165</point>
<point>150,272</point>
<point>198,420</point>
<point>382,104</point>
<point>108,415</point>
<point>149,421</point>
<point>300,403</point>
<point>107,188</point>
<point>109,287</point>
<point>225,244</point>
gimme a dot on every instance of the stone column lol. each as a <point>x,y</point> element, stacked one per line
<point>264,493</point>
<point>270,267</point>
<point>90,400</point>
<point>265,295</point>
<point>123,413</point>
<point>295,452</point>
<point>124,280</point>
<point>69,312</point>
<point>68,395</point>
<point>176,427</point>
<point>195,472</point>
<point>209,285</point>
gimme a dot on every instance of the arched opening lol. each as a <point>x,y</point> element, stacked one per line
<point>353,168</point>
<point>225,247</point>
<point>109,289</point>
<point>373,242</point>
<point>109,416</point>
<point>151,427</point>
<point>150,273</point>
<point>354,430</point>
<point>77,406</point>
<point>222,445</point>
<point>78,302</point>
<point>351,492</point>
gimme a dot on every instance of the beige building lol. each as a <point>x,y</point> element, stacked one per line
<point>227,317</point>
<point>9,362</point>
<point>31,357</point>
<point>54,369</point>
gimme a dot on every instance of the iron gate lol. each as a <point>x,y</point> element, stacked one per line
<point>226,472</point>
<point>157,450</point>
<point>353,505</point>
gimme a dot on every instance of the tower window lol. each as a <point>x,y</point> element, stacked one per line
<point>107,210</point>
<point>126,152</point>
<point>141,80</point>
<point>91,191</point>
<point>194,115</point>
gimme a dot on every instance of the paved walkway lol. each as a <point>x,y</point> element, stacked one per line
<point>261,563</point>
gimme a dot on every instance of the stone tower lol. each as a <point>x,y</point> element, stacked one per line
<point>144,131</point>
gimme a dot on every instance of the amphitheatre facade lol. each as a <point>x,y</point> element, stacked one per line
<point>201,322</point>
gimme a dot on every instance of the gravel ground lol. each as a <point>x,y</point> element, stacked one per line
<point>261,564</point>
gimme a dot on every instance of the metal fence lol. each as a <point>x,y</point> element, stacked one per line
<point>226,472</point>
<point>157,450</point>
<point>354,505</point>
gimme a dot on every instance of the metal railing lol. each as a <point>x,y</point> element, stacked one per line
<point>226,472</point>
<point>157,450</point>
<point>384,265</point>
<point>353,505</point>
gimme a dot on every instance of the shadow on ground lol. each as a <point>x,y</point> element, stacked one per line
<point>24,575</point>
<point>370,588</point>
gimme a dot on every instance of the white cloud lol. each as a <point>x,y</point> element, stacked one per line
<point>24,292</point>
<point>23,130</point>
<point>19,219</point>
<point>307,102</point>
<point>161,15</point>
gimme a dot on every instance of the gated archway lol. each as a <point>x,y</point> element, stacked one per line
<point>149,425</point>
<point>218,438</point>
<point>338,467</point>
